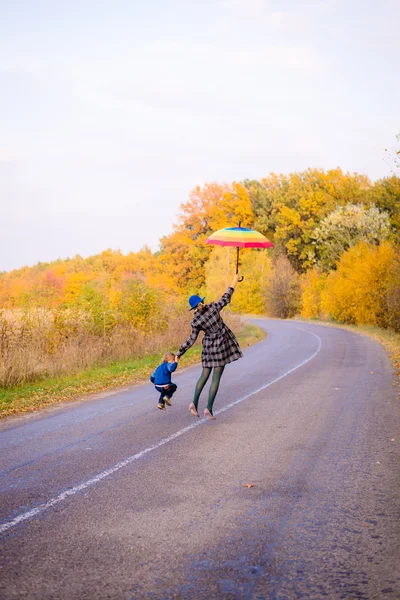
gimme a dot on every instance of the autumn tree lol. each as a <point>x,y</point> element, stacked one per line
<point>139,305</point>
<point>209,208</point>
<point>391,313</point>
<point>255,265</point>
<point>92,299</point>
<point>288,208</point>
<point>345,227</point>
<point>385,194</point>
<point>357,292</point>
<point>282,289</point>
<point>312,286</point>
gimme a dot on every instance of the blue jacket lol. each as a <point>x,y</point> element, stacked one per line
<point>162,374</point>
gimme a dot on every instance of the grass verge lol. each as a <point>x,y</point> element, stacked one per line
<point>38,395</point>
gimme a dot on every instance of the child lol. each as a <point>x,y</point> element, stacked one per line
<point>161,377</point>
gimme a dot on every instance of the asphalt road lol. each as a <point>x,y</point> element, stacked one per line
<point>112,498</point>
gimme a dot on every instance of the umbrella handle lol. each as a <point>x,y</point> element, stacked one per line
<point>237,263</point>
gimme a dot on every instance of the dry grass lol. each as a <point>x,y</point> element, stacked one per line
<point>40,344</point>
<point>82,381</point>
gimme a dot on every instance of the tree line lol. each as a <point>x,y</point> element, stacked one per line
<point>336,242</point>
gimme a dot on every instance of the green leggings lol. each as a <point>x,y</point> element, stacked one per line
<point>213,387</point>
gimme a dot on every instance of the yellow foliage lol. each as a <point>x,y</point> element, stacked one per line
<point>356,291</point>
<point>114,297</point>
<point>290,217</point>
<point>255,265</point>
<point>73,285</point>
<point>312,284</point>
<point>234,208</point>
<point>15,290</point>
<point>291,206</point>
<point>287,208</point>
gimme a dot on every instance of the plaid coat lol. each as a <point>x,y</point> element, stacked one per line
<point>220,346</point>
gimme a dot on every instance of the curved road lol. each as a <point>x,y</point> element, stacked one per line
<point>112,498</point>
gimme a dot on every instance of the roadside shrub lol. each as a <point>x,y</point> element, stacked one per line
<point>312,285</point>
<point>363,286</point>
<point>391,312</point>
<point>282,290</point>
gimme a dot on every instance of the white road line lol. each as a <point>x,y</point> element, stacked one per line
<point>263,387</point>
<point>79,488</point>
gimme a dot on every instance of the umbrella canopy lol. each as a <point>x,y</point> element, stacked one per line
<point>241,237</point>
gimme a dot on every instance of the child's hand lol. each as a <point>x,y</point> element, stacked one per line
<point>176,359</point>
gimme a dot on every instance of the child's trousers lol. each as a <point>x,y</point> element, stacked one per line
<point>169,391</point>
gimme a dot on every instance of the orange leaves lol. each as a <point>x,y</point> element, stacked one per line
<point>73,285</point>
<point>209,208</point>
<point>234,207</point>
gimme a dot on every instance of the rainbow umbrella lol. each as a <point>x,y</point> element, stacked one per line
<point>241,237</point>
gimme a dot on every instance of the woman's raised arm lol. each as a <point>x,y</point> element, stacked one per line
<point>226,298</point>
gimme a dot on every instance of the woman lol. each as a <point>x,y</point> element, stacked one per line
<point>220,346</point>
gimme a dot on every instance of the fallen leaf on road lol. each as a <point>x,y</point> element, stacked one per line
<point>393,440</point>
<point>377,462</point>
<point>249,485</point>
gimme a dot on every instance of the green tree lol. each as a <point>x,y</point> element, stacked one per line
<point>345,227</point>
<point>139,305</point>
<point>385,194</point>
<point>93,301</point>
<point>289,207</point>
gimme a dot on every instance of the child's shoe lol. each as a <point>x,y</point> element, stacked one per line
<point>161,406</point>
<point>167,400</point>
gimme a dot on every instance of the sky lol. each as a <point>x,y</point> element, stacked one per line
<point>112,111</point>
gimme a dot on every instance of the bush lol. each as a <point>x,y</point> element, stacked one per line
<point>391,312</point>
<point>282,290</point>
<point>364,288</point>
<point>312,285</point>
<point>346,227</point>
